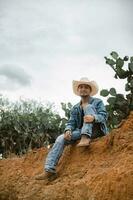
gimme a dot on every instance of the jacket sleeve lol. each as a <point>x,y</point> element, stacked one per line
<point>71,124</point>
<point>101,114</point>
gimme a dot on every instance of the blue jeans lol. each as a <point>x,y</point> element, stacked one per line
<point>58,147</point>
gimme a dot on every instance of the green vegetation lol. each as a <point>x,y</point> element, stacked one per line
<point>25,125</point>
<point>119,106</point>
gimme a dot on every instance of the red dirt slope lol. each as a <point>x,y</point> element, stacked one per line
<point>102,172</point>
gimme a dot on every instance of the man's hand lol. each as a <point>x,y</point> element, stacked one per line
<point>88,118</point>
<point>68,135</point>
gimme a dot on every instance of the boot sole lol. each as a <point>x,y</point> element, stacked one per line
<point>83,145</point>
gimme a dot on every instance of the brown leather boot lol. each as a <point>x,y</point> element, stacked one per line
<point>85,141</point>
<point>49,176</point>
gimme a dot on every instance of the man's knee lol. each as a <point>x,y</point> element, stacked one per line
<point>60,138</point>
<point>89,109</point>
<point>88,106</point>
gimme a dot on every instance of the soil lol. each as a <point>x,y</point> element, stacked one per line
<point>104,171</point>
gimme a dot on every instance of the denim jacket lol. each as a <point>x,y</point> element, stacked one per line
<point>75,119</point>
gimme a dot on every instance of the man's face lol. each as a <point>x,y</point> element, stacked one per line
<point>84,90</point>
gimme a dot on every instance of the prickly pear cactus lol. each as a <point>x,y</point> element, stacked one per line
<point>119,106</point>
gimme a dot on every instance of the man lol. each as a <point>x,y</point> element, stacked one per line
<point>87,121</point>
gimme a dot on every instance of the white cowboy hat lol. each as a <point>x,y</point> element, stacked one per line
<point>86,81</point>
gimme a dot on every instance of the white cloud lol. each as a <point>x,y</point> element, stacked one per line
<point>13,77</point>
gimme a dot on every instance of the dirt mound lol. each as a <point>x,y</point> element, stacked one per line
<point>102,172</point>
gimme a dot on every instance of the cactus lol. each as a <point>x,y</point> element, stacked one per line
<point>119,106</point>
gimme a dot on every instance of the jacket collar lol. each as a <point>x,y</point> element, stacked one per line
<point>90,101</point>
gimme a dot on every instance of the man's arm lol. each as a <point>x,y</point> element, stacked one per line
<point>101,115</point>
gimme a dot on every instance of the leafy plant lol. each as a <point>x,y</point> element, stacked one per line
<point>25,125</point>
<point>119,106</point>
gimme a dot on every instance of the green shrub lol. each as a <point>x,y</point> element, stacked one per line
<point>119,106</point>
<point>25,125</point>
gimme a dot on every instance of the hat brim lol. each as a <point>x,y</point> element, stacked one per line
<point>92,84</point>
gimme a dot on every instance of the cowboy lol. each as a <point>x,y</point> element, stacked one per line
<point>87,121</point>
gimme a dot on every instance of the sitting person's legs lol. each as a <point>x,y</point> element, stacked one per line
<point>57,150</point>
<point>87,128</point>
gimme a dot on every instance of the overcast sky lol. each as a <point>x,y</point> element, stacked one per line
<point>44,45</point>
